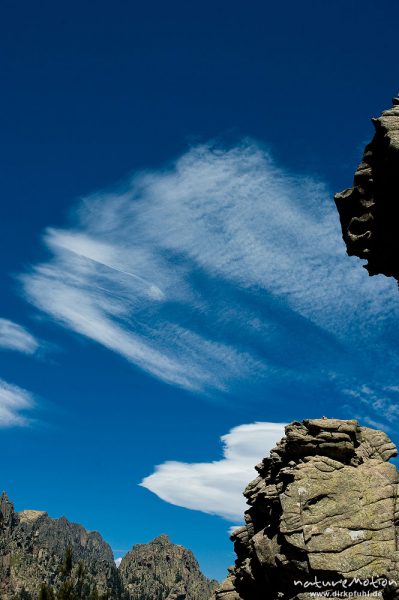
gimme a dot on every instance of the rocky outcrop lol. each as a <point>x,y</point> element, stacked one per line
<point>74,564</point>
<point>369,211</point>
<point>36,549</point>
<point>162,570</point>
<point>323,509</point>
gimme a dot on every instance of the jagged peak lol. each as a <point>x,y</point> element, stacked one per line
<point>4,497</point>
<point>6,506</point>
<point>161,539</point>
<point>148,569</point>
<point>176,568</point>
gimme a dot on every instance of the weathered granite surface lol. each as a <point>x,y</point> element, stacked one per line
<point>164,570</point>
<point>324,506</point>
<point>369,210</point>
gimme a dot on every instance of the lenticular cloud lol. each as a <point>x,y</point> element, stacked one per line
<point>209,271</point>
<point>216,487</point>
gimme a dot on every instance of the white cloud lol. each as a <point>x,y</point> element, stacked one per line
<point>216,487</point>
<point>219,269</point>
<point>13,402</point>
<point>15,337</point>
<point>118,562</point>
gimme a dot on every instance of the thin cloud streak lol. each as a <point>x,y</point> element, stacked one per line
<point>14,401</point>
<point>15,337</point>
<point>201,273</point>
<point>216,487</point>
<point>376,406</point>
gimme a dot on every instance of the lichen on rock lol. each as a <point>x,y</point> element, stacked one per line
<point>324,507</point>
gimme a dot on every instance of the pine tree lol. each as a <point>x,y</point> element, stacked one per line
<point>46,593</point>
<point>66,592</point>
<point>94,595</point>
<point>80,573</point>
<point>68,562</point>
<point>23,595</point>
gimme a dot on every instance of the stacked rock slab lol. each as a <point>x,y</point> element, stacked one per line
<point>33,547</point>
<point>369,211</point>
<point>323,509</point>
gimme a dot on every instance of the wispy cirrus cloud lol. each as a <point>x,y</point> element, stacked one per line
<point>14,402</point>
<point>377,406</point>
<point>223,267</point>
<point>216,487</point>
<point>15,337</point>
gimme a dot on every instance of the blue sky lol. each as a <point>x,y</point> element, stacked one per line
<point>174,285</point>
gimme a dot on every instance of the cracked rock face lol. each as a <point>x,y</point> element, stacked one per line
<point>324,506</point>
<point>369,210</point>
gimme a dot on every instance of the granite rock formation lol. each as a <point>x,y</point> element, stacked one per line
<point>76,564</point>
<point>164,570</point>
<point>36,549</point>
<point>323,508</point>
<point>369,211</point>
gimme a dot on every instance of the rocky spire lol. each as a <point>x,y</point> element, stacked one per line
<point>164,570</point>
<point>324,507</point>
<point>369,211</point>
<point>6,512</point>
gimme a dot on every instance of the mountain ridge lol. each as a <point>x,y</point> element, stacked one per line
<point>46,558</point>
